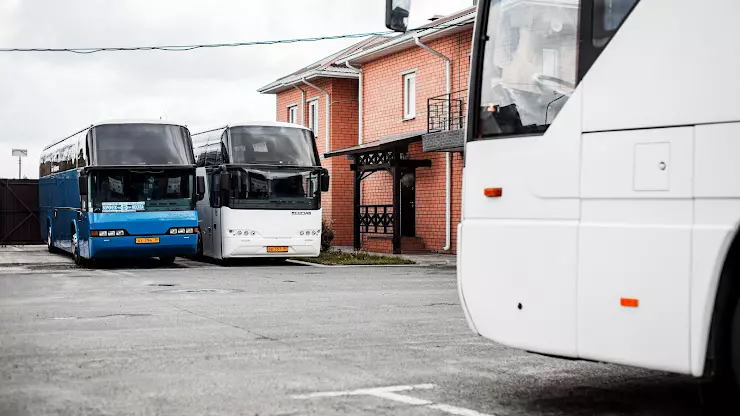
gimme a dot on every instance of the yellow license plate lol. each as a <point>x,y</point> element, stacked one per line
<point>280,249</point>
<point>149,240</point>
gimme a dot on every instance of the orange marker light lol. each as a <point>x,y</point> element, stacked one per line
<point>629,303</point>
<point>94,233</point>
<point>493,192</point>
<point>195,230</point>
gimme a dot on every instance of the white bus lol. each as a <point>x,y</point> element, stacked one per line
<point>601,189</point>
<point>263,191</point>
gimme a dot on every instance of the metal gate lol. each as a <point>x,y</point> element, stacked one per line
<point>19,209</point>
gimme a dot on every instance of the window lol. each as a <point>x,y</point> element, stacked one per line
<point>550,62</point>
<point>608,16</point>
<point>409,96</point>
<point>528,72</point>
<point>293,114</point>
<point>313,117</point>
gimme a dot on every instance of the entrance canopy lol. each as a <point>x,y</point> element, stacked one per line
<point>390,153</point>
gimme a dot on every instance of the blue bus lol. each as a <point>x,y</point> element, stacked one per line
<point>123,189</point>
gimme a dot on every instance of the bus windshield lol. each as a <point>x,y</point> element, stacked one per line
<point>141,144</point>
<point>281,188</point>
<point>529,65</point>
<point>132,190</point>
<point>272,145</point>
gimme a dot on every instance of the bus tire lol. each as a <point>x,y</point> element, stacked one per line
<point>79,260</point>
<point>735,345</point>
<point>50,240</point>
<point>166,260</point>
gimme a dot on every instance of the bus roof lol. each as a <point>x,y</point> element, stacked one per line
<point>137,121</point>
<point>256,123</point>
<point>113,122</point>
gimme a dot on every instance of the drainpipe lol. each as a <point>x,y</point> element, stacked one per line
<point>359,101</point>
<point>448,159</point>
<point>328,105</point>
<point>303,105</point>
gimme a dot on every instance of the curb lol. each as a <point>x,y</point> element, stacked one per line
<point>306,263</point>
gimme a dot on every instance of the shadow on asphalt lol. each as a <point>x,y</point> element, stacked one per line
<point>664,395</point>
<point>185,263</point>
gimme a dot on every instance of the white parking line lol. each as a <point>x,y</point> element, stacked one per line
<point>390,393</point>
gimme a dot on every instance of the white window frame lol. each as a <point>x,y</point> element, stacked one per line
<point>293,114</point>
<point>313,116</point>
<point>409,95</point>
<point>553,56</point>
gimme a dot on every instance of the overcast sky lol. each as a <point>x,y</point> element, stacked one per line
<point>47,96</point>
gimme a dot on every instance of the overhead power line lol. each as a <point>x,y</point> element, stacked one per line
<point>182,48</point>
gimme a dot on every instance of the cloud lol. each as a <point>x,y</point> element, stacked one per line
<point>46,96</point>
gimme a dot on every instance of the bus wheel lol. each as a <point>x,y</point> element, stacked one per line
<point>735,344</point>
<point>79,260</point>
<point>49,241</point>
<point>167,260</point>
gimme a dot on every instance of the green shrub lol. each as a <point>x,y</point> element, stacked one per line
<point>327,235</point>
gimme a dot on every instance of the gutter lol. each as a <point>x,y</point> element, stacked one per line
<point>328,109</point>
<point>359,101</point>
<point>448,158</point>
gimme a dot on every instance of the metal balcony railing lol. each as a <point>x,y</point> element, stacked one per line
<point>446,112</point>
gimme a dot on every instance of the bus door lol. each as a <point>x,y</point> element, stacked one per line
<point>210,222</point>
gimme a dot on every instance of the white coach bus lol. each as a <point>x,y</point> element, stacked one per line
<point>263,191</point>
<point>601,189</point>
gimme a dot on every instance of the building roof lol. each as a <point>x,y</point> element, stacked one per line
<point>445,26</point>
<point>335,65</point>
<point>331,66</point>
<point>386,142</point>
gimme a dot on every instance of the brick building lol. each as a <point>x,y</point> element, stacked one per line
<point>388,116</point>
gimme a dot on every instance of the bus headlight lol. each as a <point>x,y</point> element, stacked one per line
<point>107,233</point>
<point>181,230</point>
<point>241,232</point>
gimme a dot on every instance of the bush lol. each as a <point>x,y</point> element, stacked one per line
<point>327,235</point>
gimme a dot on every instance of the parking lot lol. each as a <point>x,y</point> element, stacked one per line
<point>260,338</point>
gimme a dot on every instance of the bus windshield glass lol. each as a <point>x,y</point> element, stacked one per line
<point>281,188</point>
<point>529,65</point>
<point>141,144</point>
<point>144,190</point>
<point>272,145</point>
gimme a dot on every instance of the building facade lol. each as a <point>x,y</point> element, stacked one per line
<point>388,116</point>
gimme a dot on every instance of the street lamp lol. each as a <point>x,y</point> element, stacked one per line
<point>20,153</point>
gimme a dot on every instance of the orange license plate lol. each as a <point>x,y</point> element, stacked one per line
<point>280,249</point>
<point>150,240</point>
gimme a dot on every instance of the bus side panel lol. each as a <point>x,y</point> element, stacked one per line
<point>716,218</point>
<point>635,247</point>
<point>65,203</point>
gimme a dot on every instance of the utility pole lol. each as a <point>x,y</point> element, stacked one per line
<point>20,153</point>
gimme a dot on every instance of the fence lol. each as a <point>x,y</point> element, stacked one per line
<point>19,209</point>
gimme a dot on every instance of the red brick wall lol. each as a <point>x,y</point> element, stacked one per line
<point>383,116</point>
<point>337,203</point>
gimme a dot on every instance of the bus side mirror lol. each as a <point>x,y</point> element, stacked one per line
<point>225,181</point>
<point>200,187</point>
<point>82,180</point>
<point>325,181</point>
<point>397,14</point>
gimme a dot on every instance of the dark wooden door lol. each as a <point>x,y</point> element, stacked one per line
<point>408,204</point>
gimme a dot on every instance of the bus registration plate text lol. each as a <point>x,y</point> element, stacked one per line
<point>277,249</point>
<point>148,240</point>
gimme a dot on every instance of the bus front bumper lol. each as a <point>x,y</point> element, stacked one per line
<point>270,247</point>
<point>127,247</point>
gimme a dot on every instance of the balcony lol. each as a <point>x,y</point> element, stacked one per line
<point>445,122</point>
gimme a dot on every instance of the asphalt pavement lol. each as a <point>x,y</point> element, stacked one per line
<point>258,338</point>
